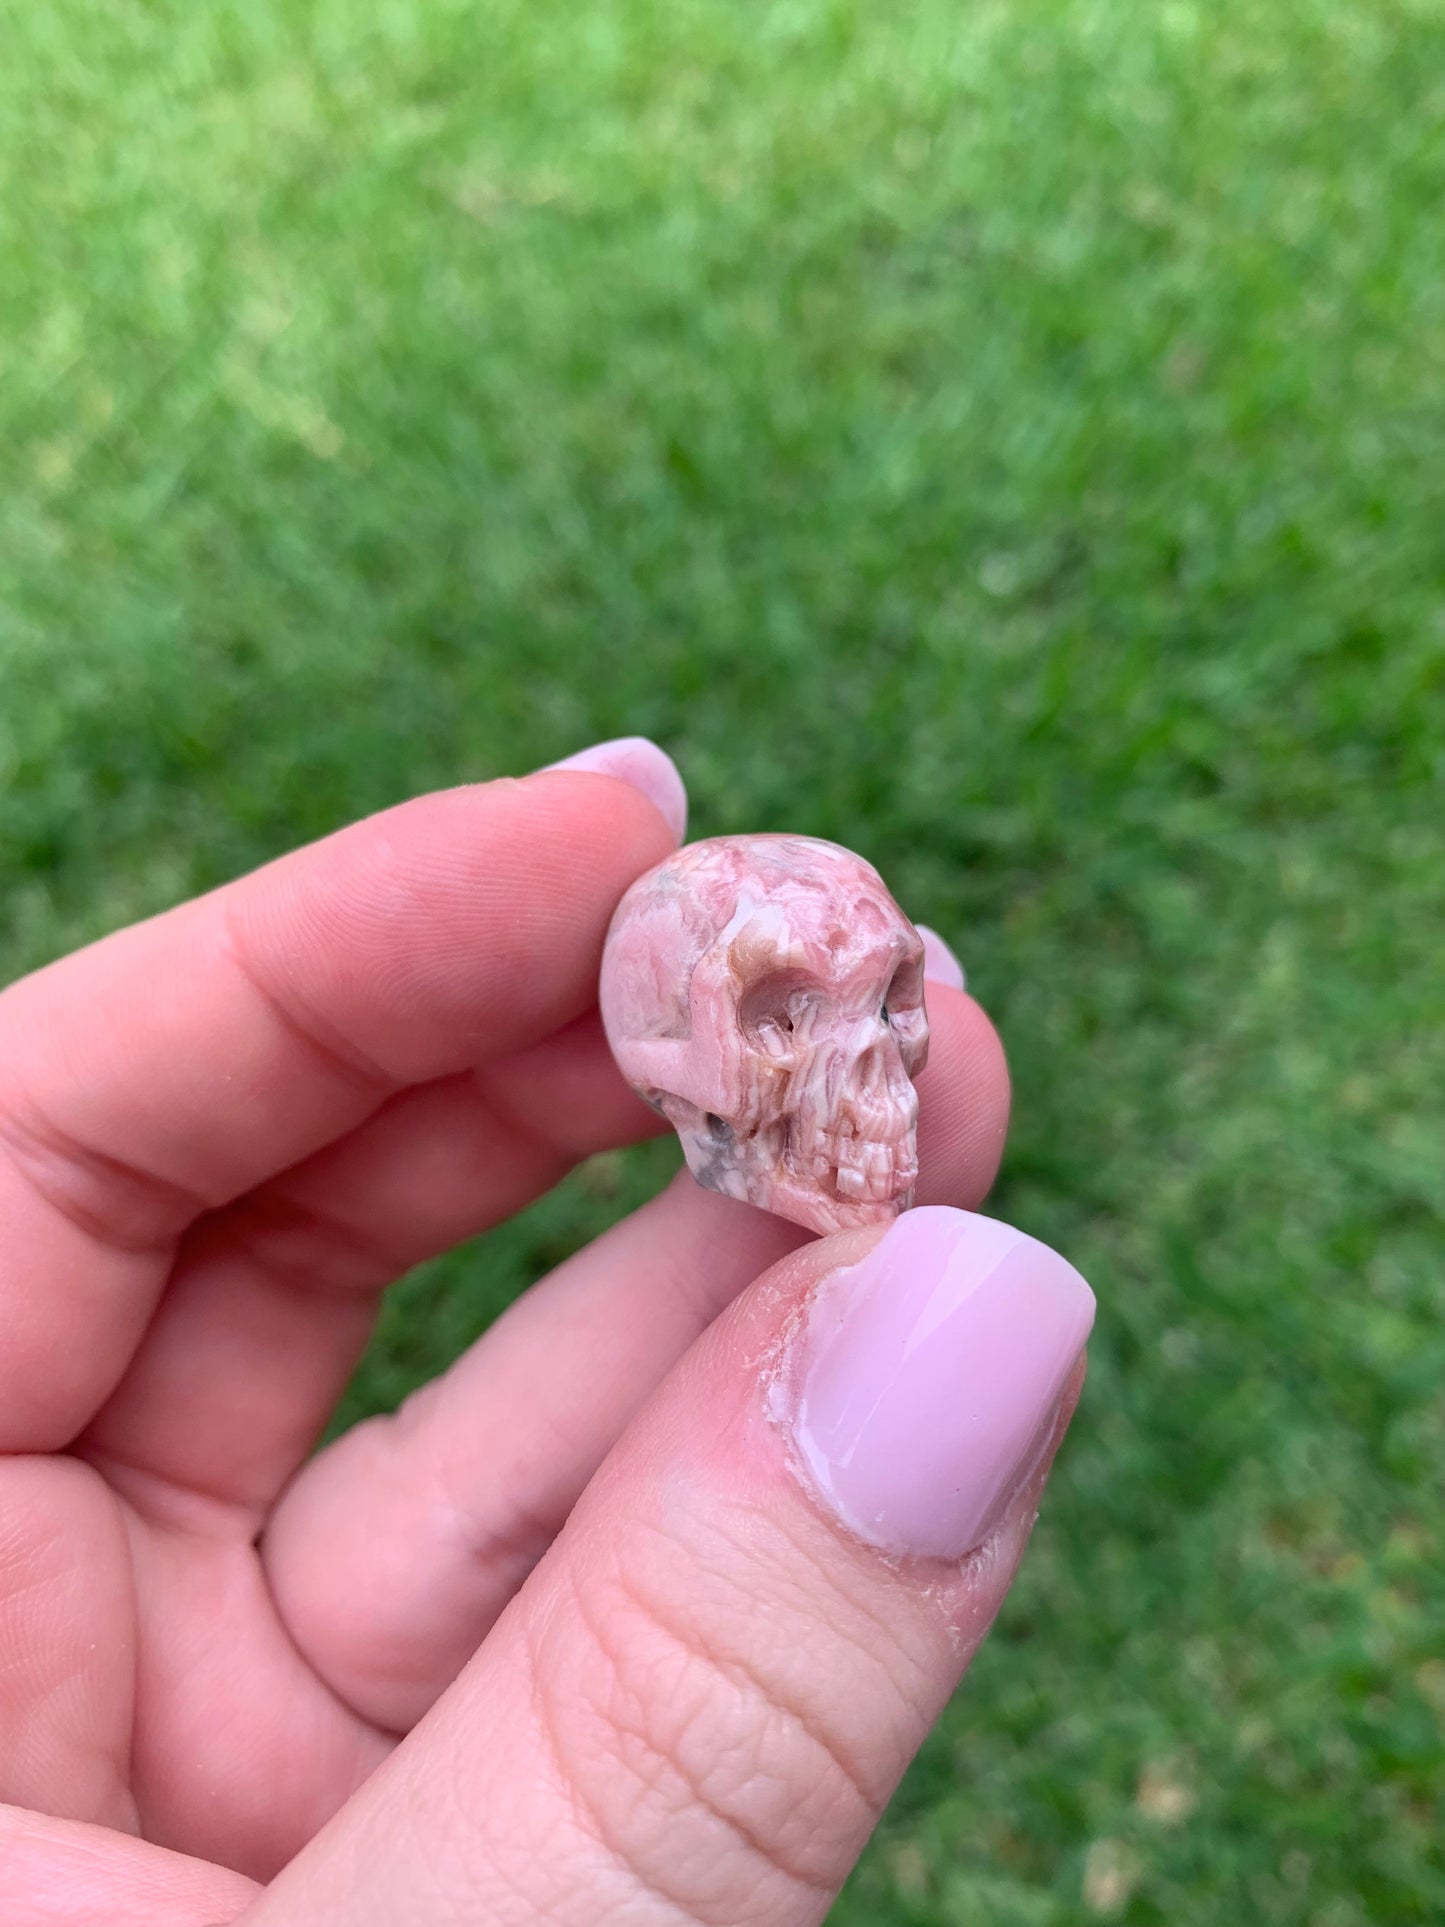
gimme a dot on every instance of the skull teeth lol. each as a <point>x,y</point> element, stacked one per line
<point>868,1170</point>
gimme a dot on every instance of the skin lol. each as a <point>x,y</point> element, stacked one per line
<point>563,1639</point>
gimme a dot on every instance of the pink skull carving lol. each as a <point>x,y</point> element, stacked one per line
<point>765,993</point>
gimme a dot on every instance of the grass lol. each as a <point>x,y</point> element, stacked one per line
<point>1006,439</point>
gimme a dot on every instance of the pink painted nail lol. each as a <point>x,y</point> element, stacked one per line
<point>928,1374</point>
<point>638,760</point>
<point>940,966</point>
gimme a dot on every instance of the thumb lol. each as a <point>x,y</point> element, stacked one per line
<point>698,1705</point>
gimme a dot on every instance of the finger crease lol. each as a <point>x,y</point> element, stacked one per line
<point>339,1055</point>
<point>162,1499</point>
<point>736,1676</point>
<point>734,1668</point>
<point>133,1210</point>
<point>509,1549</point>
<point>861,1641</point>
<point>512,1125</point>
<point>334,1260</point>
<point>588,1817</point>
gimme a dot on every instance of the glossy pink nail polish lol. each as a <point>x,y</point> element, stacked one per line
<point>925,1379</point>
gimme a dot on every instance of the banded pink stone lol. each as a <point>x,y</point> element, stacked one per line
<point>765,993</point>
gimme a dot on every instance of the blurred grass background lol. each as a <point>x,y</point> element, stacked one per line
<point>1005,438</point>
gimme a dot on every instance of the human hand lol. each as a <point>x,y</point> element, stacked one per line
<point>583,1632</point>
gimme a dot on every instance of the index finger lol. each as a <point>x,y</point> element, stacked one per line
<point>172,1067</point>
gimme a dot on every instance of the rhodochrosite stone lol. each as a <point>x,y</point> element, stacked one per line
<point>765,993</point>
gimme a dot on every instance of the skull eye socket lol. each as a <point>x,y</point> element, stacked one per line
<point>904,994</point>
<point>772,1010</point>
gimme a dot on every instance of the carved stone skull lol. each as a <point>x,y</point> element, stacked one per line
<point>765,993</point>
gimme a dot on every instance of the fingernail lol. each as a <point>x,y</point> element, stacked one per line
<point>940,966</point>
<point>638,760</point>
<point>926,1377</point>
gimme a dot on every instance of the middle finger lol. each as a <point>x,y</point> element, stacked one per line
<point>272,1300</point>
<point>391,1554</point>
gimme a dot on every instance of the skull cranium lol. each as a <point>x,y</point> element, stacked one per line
<point>765,993</point>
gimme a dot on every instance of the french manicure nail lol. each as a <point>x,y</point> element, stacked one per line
<point>940,966</point>
<point>925,1378</point>
<point>638,760</point>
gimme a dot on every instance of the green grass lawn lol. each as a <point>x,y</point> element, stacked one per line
<point>1006,438</point>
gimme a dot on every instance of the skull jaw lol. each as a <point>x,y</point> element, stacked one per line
<point>744,1168</point>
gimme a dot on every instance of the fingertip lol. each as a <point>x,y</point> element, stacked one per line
<point>928,1379</point>
<point>964,1101</point>
<point>642,763</point>
<point>940,966</point>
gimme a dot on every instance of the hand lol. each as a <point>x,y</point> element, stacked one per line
<point>591,1629</point>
